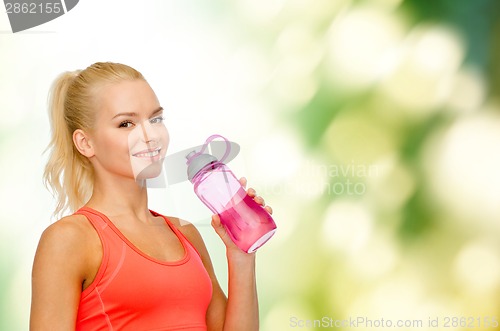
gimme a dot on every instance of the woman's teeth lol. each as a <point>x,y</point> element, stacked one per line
<point>148,154</point>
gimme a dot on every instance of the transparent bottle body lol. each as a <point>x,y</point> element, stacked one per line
<point>248,224</point>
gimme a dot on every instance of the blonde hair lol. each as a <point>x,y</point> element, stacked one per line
<point>72,105</point>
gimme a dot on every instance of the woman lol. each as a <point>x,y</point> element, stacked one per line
<point>114,264</point>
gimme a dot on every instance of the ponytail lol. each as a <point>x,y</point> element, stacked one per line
<point>67,172</point>
<point>72,105</point>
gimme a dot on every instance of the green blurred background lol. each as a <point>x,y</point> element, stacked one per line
<point>371,127</point>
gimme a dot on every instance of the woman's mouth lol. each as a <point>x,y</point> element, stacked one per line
<point>148,153</point>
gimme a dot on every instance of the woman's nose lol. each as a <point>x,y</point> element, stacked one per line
<point>149,132</point>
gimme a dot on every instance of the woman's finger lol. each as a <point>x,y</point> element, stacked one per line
<point>269,210</point>
<point>220,230</point>
<point>243,182</point>
<point>251,192</point>
<point>260,200</point>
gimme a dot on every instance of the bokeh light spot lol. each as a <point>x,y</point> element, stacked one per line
<point>477,268</point>
<point>347,226</point>
<point>463,170</point>
<point>359,41</point>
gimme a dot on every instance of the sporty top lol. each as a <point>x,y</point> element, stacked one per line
<point>133,291</point>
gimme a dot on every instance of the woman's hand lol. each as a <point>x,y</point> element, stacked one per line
<point>221,230</point>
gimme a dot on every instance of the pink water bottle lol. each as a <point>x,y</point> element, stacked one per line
<point>248,224</point>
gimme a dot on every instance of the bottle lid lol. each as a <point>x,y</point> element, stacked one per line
<point>198,162</point>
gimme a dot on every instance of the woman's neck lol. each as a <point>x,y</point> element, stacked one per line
<point>118,197</point>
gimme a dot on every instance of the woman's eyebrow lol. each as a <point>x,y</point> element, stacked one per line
<point>132,114</point>
<point>125,114</point>
<point>158,110</point>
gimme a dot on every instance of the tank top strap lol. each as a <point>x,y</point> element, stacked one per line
<point>97,222</point>
<point>103,231</point>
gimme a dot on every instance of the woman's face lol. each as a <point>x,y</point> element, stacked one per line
<point>129,137</point>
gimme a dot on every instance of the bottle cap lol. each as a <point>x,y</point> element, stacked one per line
<point>198,162</point>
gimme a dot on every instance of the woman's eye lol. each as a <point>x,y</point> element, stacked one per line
<point>157,120</point>
<point>125,124</point>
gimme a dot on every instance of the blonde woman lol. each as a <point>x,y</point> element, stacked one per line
<point>113,264</point>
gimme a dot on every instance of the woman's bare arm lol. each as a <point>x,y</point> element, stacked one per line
<point>62,264</point>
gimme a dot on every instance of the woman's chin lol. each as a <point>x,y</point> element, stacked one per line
<point>151,171</point>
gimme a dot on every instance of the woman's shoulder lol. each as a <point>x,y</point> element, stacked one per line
<point>69,231</point>
<point>75,224</point>
<point>68,254</point>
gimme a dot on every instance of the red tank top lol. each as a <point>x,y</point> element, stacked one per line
<point>133,291</point>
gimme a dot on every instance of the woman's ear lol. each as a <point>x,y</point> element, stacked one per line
<point>82,143</point>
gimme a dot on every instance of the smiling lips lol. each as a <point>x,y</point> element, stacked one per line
<point>148,153</point>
